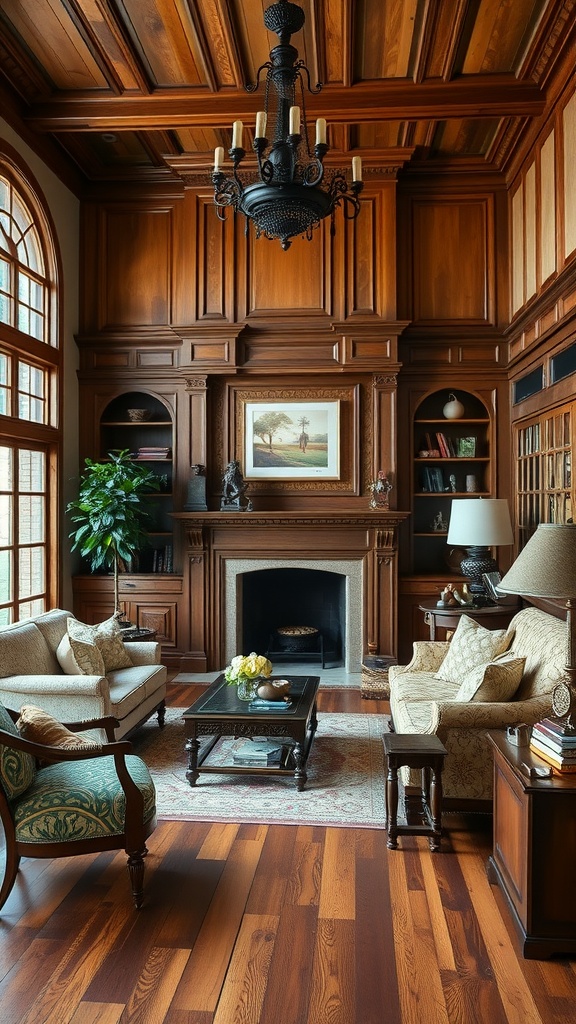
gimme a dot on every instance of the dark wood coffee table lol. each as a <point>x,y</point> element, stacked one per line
<point>219,712</point>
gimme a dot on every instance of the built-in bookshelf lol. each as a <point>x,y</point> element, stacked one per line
<point>452,458</point>
<point>141,423</point>
<point>544,481</point>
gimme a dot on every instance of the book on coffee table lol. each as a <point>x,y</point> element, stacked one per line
<point>258,704</point>
<point>260,753</point>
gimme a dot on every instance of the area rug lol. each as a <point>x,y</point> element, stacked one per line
<point>345,785</point>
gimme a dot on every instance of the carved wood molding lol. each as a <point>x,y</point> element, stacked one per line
<point>322,518</point>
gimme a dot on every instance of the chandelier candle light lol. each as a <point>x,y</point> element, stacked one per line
<point>291,194</point>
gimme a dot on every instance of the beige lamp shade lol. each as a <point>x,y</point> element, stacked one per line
<point>480,522</point>
<point>546,566</point>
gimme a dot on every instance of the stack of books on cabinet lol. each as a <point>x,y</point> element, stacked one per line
<point>554,745</point>
<point>153,453</point>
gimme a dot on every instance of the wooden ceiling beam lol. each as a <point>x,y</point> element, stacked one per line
<point>475,96</point>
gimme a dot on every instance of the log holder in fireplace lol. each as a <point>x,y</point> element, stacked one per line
<point>293,646</point>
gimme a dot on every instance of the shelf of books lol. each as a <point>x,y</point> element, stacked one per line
<point>452,458</point>
<point>544,485</point>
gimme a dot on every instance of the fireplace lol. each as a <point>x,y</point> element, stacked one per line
<point>316,592</point>
<point>278,602</point>
<point>232,559</point>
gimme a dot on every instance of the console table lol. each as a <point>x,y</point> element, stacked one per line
<point>491,616</point>
<point>534,850</point>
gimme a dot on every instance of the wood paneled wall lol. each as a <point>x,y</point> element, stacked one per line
<point>543,229</point>
<point>178,301</point>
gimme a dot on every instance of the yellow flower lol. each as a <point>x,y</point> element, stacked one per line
<point>249,666</point>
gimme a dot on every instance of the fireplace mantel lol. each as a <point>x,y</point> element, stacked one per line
<point>213,539</point>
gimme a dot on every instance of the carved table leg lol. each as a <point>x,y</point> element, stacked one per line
<point>436,809</point>
<point>300,775</point>
<point>392,805</point>
<point>192,746</point>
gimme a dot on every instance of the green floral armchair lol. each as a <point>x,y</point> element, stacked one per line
<point>81,800</point>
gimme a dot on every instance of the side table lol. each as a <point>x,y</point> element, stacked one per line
<point>491,616</point>
<point>416,751</point>
<point>534,850</point>
<point>130,636</point>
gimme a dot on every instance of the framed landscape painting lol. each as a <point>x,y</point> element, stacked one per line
<point>292,440</point>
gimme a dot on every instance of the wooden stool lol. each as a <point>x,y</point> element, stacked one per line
<point>415,751</point>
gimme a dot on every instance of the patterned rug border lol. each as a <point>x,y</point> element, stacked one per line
<point>345,786</point>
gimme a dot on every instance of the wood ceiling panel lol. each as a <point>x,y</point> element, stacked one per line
<point>106,33</point>
<point>220,41</point>
<point>202,140</point>
<point>450,78</point>
<point>377,135</point>
<point>333,40</point>
<point>464,138</point>
<point>500,33</point>
<point>167,40</point>
<point>384,37</point>
<point>50,34</point>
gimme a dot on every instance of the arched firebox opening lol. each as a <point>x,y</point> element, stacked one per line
<point>260,595</point>
<point>277,600</point>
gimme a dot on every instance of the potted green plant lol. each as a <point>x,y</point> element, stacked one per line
<point>110,513</point>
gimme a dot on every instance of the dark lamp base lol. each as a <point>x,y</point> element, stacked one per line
<point>478,561</point>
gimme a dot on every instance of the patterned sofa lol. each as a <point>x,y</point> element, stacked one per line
<point>38,667</point>
<point>421,702</point>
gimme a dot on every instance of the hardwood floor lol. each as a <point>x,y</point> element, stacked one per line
<point>272,924</point>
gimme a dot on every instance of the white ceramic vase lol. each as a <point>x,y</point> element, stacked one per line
<point>453,410</point>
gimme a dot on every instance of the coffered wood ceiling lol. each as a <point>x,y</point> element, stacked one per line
<point>142,89</point>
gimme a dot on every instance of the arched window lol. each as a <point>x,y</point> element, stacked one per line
<point>30,384</point>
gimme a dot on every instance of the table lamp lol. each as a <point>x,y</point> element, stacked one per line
<point>546,567</point>
<point>479,524</point>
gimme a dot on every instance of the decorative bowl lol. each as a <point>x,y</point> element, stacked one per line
<point>274,689</point>
<point>138,415</point>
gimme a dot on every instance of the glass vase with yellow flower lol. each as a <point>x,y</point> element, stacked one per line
<point>246,671</point>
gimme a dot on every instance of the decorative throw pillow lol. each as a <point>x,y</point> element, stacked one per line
<point>86,654</point>
<point>18,769</point>
<point>470,646</point>
<point>38,726</point>
<point>66,659</point>
<point>105,639</point>
<point>496,681</point>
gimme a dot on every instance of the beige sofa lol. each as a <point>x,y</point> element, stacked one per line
<point>30,673</point>
<point>422,703</point>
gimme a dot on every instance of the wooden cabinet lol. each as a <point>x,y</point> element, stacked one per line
<point>150,601</point>
<point>452,458</point>
<point>534,850</point>
<point>544,479</point>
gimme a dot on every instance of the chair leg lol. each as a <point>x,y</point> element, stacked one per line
<point>136,871</point>
<point>10,872</point>
<point>162,714</point>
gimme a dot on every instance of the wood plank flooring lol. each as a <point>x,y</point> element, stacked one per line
<point>254,924</point>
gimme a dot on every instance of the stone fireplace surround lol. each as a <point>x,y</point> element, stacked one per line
<point>235,607</point>
<point>219,547</point>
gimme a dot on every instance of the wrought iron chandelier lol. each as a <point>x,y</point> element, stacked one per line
<point>292,193</point>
